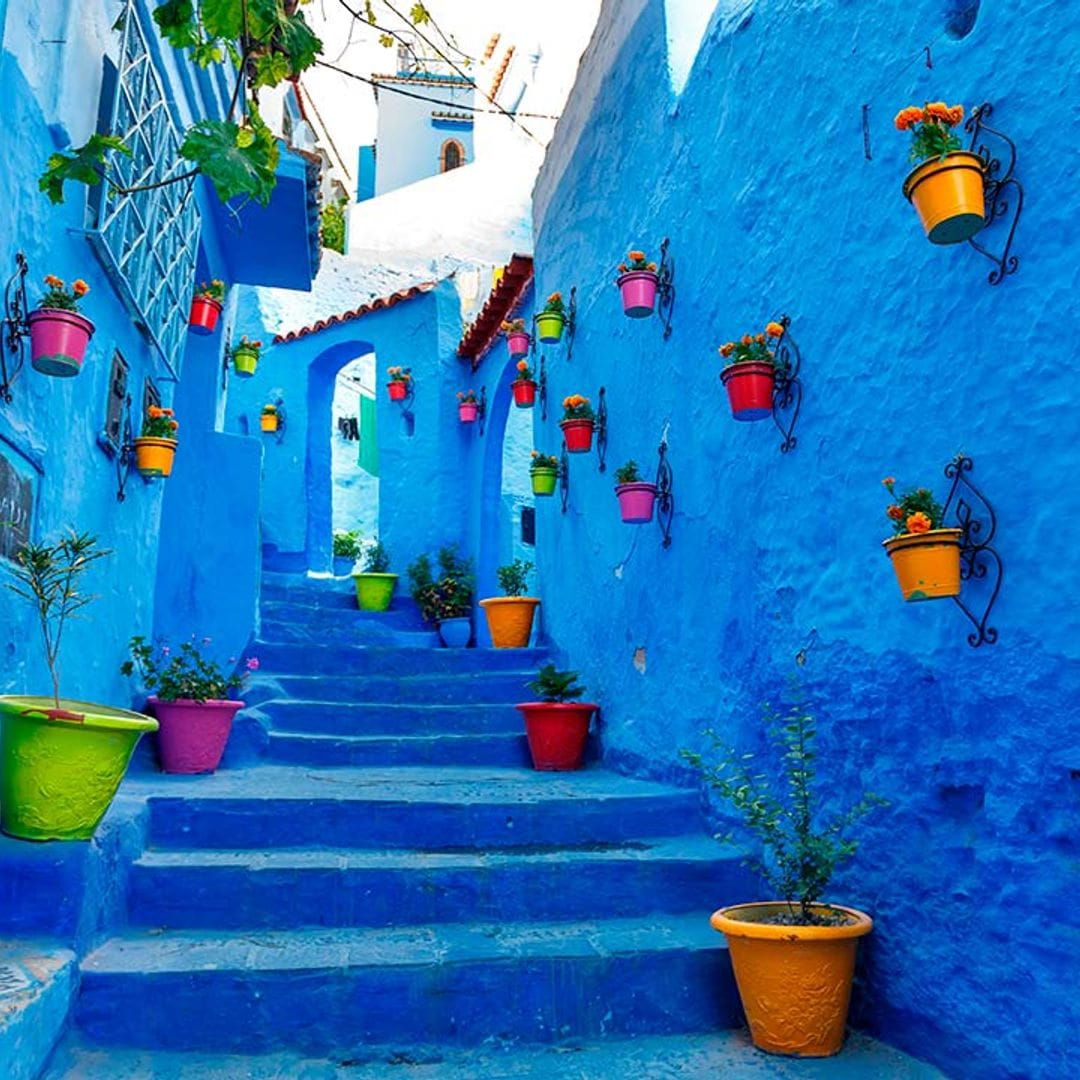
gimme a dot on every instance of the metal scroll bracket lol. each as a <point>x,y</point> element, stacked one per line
<point>665,287</point>
<point>787,387</point>
<point>1003,192</point>
<point>543,387</point>
<point>481,411</point>
<point>665,496</point>
<point>601,431</point>
<point>979,560</point>
<point>125,453</point>
<point>564,477</point>
<point>16,328</point>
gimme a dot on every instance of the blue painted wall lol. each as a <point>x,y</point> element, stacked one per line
<point>756,173</point>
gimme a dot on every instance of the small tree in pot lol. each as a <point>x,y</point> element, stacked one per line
<point>375,584</point>
<point>557,726</point>
<point>445,600</point>
<point>786,953</point>
<point>510,617</point>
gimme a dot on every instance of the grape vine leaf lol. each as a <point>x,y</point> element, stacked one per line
<point>85,165</point>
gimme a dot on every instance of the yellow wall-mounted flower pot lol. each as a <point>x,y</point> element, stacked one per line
<point>947,194</point>
<point>154,457</point>
<point>268,422</point>
<point>927,564</point>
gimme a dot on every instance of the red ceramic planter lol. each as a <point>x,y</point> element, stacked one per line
<point>557,732</point>
<point>204,315</point>
<point>397,390</point>
<point>578,435</point>
<point>467,411</point>
<point>524,393</point>
<point>192,734</point>
<point>750,390</point>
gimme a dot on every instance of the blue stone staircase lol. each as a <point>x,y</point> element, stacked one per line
<point>391,884</point>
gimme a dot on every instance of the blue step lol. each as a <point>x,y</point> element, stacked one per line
<point>355,632</point>
<point>244,889</point>
<point>275,806</point>
<point>474,688</point>
<point>37,987</point>
<point>510,750</point>
<point>718,1055</point>
<point>352,718</point>
<point>327,593</point>
<point>334,660</point>
<point>319,619</point>
<point>326,990</point>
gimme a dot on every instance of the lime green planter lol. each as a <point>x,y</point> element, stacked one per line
<point>544,480</point>
<point>374,591</point>
<point>245,361</point>
<point>60,768</point>
<point>549,327</point>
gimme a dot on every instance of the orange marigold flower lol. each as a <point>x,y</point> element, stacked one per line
<point>79,287</point>
<point>896,512</point>
<point>636,256</point>
<point>174,425</point>
<point>54,281</point>
<point>747,339</point>
<point>623,268</point>
<point>956,114</point>
<point>153,412</point>
<point>651,268</point>
<point>937,110</point>
<point>554,296</point>
<point>918,523</point>
<point>523,365</point>
<point>909,117</point>
<point>167,412</point>
<point>535,453</point>
<point>889,481</point>
<point>727,348</point>
<point>759,338</point>
<point>774,329</point>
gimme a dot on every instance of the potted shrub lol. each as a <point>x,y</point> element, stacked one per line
<point>347,548</point>
<point>524,386</point>
<point>946,185</point>
<point>793,957</point>
<point>544,472</point>
<point>58,333</point>
<point>557,726</point>
<point>468,406</point>
<point>636,496</point>
<point>577,424</point>
<point>445,600</point>
<point>206,307</point>
<point>398,386</point>
<point>155,448</point>
<point>61,761</point>
<point>268,419</point>
<point>510,617</point>
<point>245,357</point>
<point>375,584</point>
<point>189,698</point>
<point>550,321</point>
<point>750,373</point>
<point>638,281</point>
<point>517,338</point>
<point>925,556</point>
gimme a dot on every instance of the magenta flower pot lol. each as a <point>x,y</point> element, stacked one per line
<point>467,411</point>
<point>636,502</point>
<point>58,341</point>
<point>638,290</point>
<point>192,734</point>
<point>518,344</point>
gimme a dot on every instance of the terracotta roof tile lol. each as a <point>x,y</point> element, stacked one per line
<point>503,299</point>
<point>357,313</point>
<point>500,74</point>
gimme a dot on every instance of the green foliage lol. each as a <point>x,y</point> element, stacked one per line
<point>444,591</point>
<point>914,501</point>
<point>176,21</point>
<point>237,160</point>
<point>185,674</point>
<point>553,685</point>
<point>48,577</point>
<point>84,165</point>
<point>514,577</point>
<point>628,473</point>
<point>347,544</point>
<point>332,228</point>
<point>543,461</point>
<point>214,290</point>
<point>377,559</point>
<point>777,807</point>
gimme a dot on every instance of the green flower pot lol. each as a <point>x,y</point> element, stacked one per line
<point>544,481</point>
<point>549,327</point>
<point>245,361</point>
<point>60,768</point>
<point>374,591</point>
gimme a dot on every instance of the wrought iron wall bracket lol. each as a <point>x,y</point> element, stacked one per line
<point>665,496</point>
<point>1004,196</point>
<point>125,453</point>
<point>787,387</point>
<point>282,420</point>
<point>405,403</point>
<point>571,322</point>
<point>601,429</point>
<point>564,477</point>
<point>979,560</point>
<point>16,327</point>
<point>543,387</point>
<point>481,410</point>
<point>665,287</point>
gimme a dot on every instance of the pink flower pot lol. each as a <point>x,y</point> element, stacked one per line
<point>467,411</point>
<point>192,734</point>
<point>58,341</point>
<point>638,290</point>
<point>518,344</point>
<point>636,502</point>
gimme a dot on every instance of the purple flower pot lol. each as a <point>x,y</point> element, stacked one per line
<point>58,341</point>
<point>636,502</point>
<point>518,345</point>
<point>192,734</point>
<point>638,290</point>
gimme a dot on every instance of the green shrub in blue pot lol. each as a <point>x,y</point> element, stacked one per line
<point>444,594</point>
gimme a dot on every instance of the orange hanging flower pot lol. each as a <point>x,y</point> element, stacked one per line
<point>927,564</point>
<point>947,194</point>
<point>154,457</point>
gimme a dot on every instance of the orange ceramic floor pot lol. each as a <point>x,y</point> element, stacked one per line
<point>947,194</point>
<point>927,564</point>
<point>794,981</point>
<point>510,620</point>
<point>154,457</point>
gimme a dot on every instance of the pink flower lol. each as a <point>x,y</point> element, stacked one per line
<point>206,640</point>
<point>165,650</point>
<point>253,663</point>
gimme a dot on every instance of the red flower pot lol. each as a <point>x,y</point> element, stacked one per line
<point>636,502</point>
<point>192,734</point>
<point>397,390</point>
<point>524,393</point>
<point>204,315</point>
<point>557,732</point>
<point>578,435</point>
<point>750,389</point>
<point>467,411</point>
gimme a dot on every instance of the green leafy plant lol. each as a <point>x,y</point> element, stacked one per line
<point>444,591</point>
<point>915,511</point>
<point>753,348</point>
<point>159,423</point>
<point>467,397</point>
<point>514,577</point>
<point>513,326</point>
<point>553,685</point>
<point>543,461</point>
<point>636,262</point>
<point>269,410</point>
<point>59,297</point>
<point>554,305</point>
<point>48,576</point>
<point>184,673</point>
<point>246,345</point>
<point>931,128</point>
<point>399,374</point>
<point>576,407</point>
<point>332,226</point>
<point>213,290</point>
<point>801,849</point>
<point>628,473</point>
<point>347,543</point>
<point>377,559</point>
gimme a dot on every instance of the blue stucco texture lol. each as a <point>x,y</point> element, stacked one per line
<point>757,175</point>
